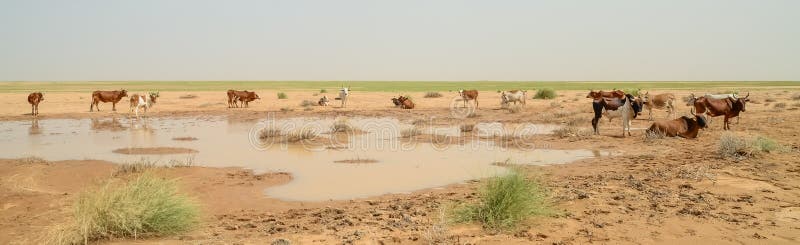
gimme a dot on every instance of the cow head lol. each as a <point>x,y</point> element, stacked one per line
<point>691,99</point>
<point>153,96</point>
<point>739,104</point>
<point>123,93</point>
<point>254,95</point>
<point>637,105</point>
<point>461,92</point>
<point>41,96</point>
<point>701,121</point>
<point>592,94</point>
<point>344,91</point>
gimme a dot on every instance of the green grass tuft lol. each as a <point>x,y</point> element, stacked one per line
<point>545,93</point>
<point>505,202</point>
<point>632,91</point>
<point>147,206</point>
<point>734,146</point>
<point>322,91</point>
<point>282,96</point>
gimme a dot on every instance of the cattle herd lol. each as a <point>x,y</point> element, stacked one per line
<point>612,104</point>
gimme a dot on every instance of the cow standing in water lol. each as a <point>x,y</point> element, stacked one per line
<point>142,101</point>
<point>107,96</point>
<point>34,99</point>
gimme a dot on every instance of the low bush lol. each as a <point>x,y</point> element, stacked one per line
<point>282,96</point>
<point>545,93</point>
<point>432,95</point>
<point>146,206</point>
<point>504,202</point>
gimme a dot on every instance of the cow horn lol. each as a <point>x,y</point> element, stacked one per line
<point>748,95</point>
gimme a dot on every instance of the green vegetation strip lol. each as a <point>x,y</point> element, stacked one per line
<point>381,86</point>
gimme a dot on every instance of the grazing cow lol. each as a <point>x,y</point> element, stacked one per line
<point>34,99</point>
<point>141,101</point>
<point>343,93</point>
<point>323,101</point>
<point>659,101</point>
<point>467,95</point>
<point>107,96</point>
<point>684,127</point>
<point>596,95</point>
<point>405,103</point>
<point>727,107</point>
<point>628,108</point>
<point>243,96</point>
<point>515,96</point>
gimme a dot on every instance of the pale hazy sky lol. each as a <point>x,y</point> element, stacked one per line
<point>400,40</point>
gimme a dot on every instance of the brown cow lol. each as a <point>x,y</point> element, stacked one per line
<point>727,107</point>
<point>659,101</point>
<point>597,95</point>
<point>405,103</point>
<point>107,96</point>
<point>467,95</point>
<point>684,127</point>
<point>34,99</point>
<point>244,96</point>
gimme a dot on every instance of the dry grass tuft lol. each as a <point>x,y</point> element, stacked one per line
<point>32,160</point>
<point>307,103</point>
<point>188,96</point>
<point>300,135</point>
<point>514,109</point>
<point>432,95</point>
<point>464,128</point>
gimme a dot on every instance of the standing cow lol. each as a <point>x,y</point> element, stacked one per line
<point>515,96</point>
<point>343,94</point>
<point>140,101</point>
<point>242,96</point>
<point>34,99</point>
<point>727,107</point>
<point>627,106</point>
<point>467,95</point>
<point>107,96</point>
<point>659,101</point>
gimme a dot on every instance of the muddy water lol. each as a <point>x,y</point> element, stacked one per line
<point>401,165</point>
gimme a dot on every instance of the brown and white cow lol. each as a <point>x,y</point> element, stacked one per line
<point>324,101</point>
<point>659,101</point>
<point>467,95</point>
<point>684,126</point>
<point>141,101</point>
<point>405,102</point>
<point>597,95</point>
<point>242,96</point>
<point>34,99</point>
<point>107,96</point>
<point>727,107</point>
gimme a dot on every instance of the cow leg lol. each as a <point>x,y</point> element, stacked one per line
<point>725,124</point>
<point>114,106</point>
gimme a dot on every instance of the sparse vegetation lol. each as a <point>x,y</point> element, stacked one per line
<point>572,131</point>
<point>433,95</point>
<point>267,133</point>
<point>514,109</point>
<point>341,125</point>
<point>770,99</point>
<point>650,136</point>
<point>780,105</point>
<point>464,128</point>
<point>188,96</point>
<point>322,91</point>
<point>147,206</point>
<point>796,96</point>
<point>286,109</point>
<point>300,135</point>
<point>632,91</point>
<point>307,103</point>
<point>545,93</point>
<point>32,160</point>
<point>282,96</point>
<point>139,166</point>
<point>505,202</point>
<point>410,132</point>
<point>734,146</point>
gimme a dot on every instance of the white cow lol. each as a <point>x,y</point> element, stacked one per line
<point>343,93</point>
<point>512,96</point>
<point>146,102</point>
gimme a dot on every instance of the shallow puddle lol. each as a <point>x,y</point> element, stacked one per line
<point>396,165</point>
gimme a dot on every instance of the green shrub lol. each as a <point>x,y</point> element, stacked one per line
<point>322,91</point>
<point>307,103</point>
<point>731,145</point>
<point>282,96</point>
<point>631,91</point>
<point>545,93</point>
<point>147,206</point>
<point>505,201</point>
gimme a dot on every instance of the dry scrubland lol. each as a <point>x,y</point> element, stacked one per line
<point>736,187</point>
